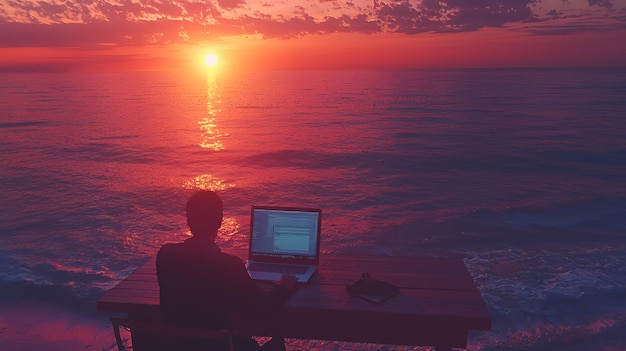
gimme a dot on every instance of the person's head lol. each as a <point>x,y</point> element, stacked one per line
<point>204,213</point>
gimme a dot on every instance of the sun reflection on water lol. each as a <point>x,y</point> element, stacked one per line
<point>212,140</point>
<point>211,135</point>
<point>207,182</point>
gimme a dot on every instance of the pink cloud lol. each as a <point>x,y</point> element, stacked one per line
<point>88,24</point>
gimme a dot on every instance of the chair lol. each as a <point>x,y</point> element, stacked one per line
<point>169,330</point>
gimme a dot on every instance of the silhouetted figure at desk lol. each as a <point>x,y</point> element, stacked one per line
<point>202,287</point>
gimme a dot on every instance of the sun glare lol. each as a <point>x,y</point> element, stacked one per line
<point>210,60</point>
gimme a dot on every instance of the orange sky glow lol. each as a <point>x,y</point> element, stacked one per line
<point>56,35</point>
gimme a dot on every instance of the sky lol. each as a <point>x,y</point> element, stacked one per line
<point>65,35</point>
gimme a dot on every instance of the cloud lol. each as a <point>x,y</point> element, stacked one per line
<point>602,3</point>
<point>450,16</point>
<point>90,24</point>
<point>577,24</point>
<point>231,4</point>
<point>562,22</point>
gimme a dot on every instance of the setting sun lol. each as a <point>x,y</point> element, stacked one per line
<point>210,60</point>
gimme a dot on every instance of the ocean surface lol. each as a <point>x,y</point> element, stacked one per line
<point>521,171</point>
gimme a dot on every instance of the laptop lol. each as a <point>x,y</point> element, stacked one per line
<point>284,240</point>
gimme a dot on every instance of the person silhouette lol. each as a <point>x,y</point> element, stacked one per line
<point>201,286</point>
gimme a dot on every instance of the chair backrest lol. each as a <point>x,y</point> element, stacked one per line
<point>169,330</point>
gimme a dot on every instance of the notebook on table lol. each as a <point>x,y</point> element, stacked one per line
<point>284,240</point>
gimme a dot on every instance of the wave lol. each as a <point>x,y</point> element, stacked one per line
<point>24,124</point>
<point>552,297</point>
<point>111,152</point>
<point>602,214</point>
<point>595,220</point>
<point>74,282</point>
<point>589,224</point>
<point>69,298</point>
<point>409,155</point>
<point>602,334</point>
<point>76,291</point>
<point>401,162</point>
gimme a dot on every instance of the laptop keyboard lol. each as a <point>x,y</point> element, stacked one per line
<point>278,268</point>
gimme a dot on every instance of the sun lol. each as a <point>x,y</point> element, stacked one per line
<point>210,60</point>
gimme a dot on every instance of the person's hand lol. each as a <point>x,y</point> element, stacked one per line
<point>289,281</point>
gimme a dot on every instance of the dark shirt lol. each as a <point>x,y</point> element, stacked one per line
<point>201,286</point>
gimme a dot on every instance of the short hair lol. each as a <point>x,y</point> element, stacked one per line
<point>204,211</point>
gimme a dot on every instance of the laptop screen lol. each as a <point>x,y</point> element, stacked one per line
<point>279,234</point>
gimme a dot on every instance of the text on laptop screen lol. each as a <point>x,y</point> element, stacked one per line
<point>285,233</point>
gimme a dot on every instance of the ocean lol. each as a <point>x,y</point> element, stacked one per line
<point>521,171</point>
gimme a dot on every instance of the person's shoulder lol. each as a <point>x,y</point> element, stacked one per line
<point>169,249</point>
<point>170,246</point>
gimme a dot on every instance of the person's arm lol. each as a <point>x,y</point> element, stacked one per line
<point>253,300</point>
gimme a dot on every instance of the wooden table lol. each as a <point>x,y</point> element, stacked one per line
<point>437,306</point>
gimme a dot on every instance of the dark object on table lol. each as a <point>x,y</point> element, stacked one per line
<point>372,290</point>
